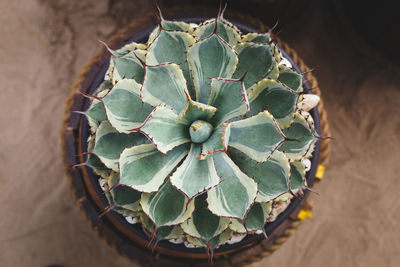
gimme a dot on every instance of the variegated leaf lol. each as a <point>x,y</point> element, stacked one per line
<point>163,232</point>
<point>257,136</point>
<point>210,58</point>
<point>230,97</point>
<point>297,175</point>
<point>236,192</point>
<point>168,206</point>
<point>144,168</point>
<point>256,60</point>
<point>96,113</point>
<point>124,108</point>
<point>196,111</point>
<point>255,218</point>
<point>214,242</point>
<point>170,25</point>
<point>164,129</point>
<point>271,176</point>
<point>273,96</point>
<point>165,84</point>
<point>95,163</point>
<point>226,30</point>
<point>110,144</point>
<point>194,175</point>
<point>203,224</point>
<point>263,38</point>
<point>128,66</point>
<point>290,78</point>
<point>172,47</point>
<point>303,138</point>
<point>218,141</point>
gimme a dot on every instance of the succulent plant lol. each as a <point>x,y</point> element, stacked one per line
<point>199,131</point>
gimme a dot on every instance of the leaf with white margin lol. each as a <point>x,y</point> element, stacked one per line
<point>169,47</point>
<point>194,175</point>
<point>144,168</point>
<point>167,207</point>
<point>230,97</point>
<point>236,192</point>
<point>272,176</point>
<point>163,232</point>
<point>169,25</point>
<point>302,134</point>
<point>94,162</point>
<point>196,111</point>
<point>165,84</point>
<point>226,30</point>
<point>125,110</point>
<point>210,58</point>
<point>290,78</point>
<point>256,60</point>
<point>110,144</point>
<point>255,218</point>
<point>172,47</point>
<point>297,175</point>
<point>273,96</point>
<point>128,66</point>
<point>213,243</point>
<point>218,141</point>
<point>203,224</point>
<point>263,38</point>
<point>258,136</point>
<point>164,129</point>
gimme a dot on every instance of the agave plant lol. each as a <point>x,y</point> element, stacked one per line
<point>199,131</point>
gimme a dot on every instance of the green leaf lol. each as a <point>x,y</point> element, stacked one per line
<point>167,207</point>
<point>255,218</point>
<point>144,168</point>
<point>263,38</point>
<point>194,175</point>
<point>165,84</point>
<point>273,96</point>
<point>203,224</point>
<point>297,175</point>
<point>125,110</point>
<point>210,58</point>
<point>271,176</point>
<point>230,97</point>
<point>110,144</point>
<point>124,195</point>
<point>256,60</point>
<point>258,136</point>
<point>164,129</point>
<point>218,141</point>
<point>290,78</point>
<point>196,111</point>
<point>236,192</point>
<point>226,30</point>
<point>128,66</point>
<point>303,135</point>
<point>96,113</point>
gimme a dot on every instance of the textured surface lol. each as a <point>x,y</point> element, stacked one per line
<point>46,43</point>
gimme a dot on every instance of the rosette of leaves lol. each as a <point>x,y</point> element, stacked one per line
<point>199,130</point>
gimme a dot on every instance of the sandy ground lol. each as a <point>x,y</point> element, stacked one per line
<point>45,43</point>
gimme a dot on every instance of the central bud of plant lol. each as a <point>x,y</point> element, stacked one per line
<point>200,131</point>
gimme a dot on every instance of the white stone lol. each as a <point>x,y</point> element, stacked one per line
<point>309,102</point>
<point>285,62</point>
<point>190,245</point>
<point>102,182</point>
<point>178,240</point>
<point>307,164</point>
<point>132,220</point>
<point>236,238</point>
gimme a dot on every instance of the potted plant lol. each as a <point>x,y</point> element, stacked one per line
<point>197,139</point>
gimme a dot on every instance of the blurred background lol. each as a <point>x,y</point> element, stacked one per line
<point>353,47</point>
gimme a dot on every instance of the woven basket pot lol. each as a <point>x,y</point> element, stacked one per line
<point>129,240</point>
